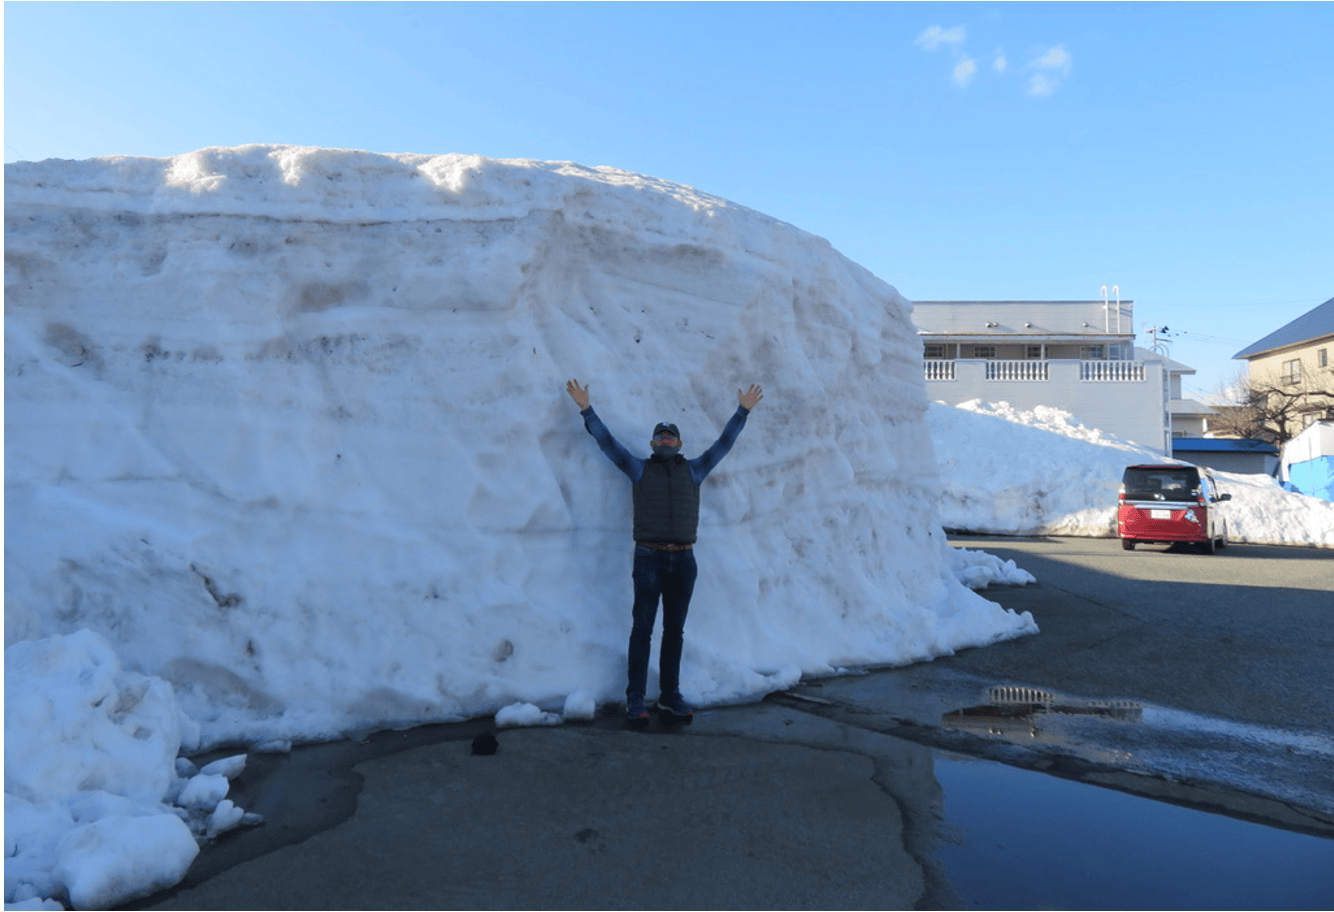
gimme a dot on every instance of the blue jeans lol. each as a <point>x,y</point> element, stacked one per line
<point>669,575</point>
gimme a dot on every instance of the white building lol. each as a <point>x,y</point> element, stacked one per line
<point>1189,417</point>
<point>1079,356</point>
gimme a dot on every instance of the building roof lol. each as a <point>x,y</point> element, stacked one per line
<point>1189,407</point>
<point>1222,445</point>
<point>1016,321</point>
<point>1172,367</point>
<point>1317,322</point>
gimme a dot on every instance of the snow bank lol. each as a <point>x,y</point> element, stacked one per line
<point>1010,471</point>
<point>287,427</point>
<point>1261,511</point>
<point>97,809</point>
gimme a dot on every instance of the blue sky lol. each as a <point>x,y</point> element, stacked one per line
<point>1182,152</point>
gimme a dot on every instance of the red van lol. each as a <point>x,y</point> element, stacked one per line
<point>1170,503</point>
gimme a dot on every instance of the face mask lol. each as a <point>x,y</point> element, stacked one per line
<point>666,452</point>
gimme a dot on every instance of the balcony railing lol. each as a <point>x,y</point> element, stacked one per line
<point>1033,370</point>
<point>1017,370</point>
<point>939,370</point>
<point>1112,371</point>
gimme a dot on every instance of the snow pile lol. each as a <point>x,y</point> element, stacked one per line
<point>1049,418</point>
<point>287,427</point>
<point>1261,511</point>
<point>525,715</point>
<point>1009,471</point>
<point>978,570</point>
<point>97,809</point>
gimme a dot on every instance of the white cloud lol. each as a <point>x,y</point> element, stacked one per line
<point>1042,85</point>
<point>1055,59</point>
<point>1046,71</point>
<point>935,36</point>
<point>1051,68</point>
<point>963,73</point>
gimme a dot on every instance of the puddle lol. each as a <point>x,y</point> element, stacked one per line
<point>1018,839</point>
<point>1017,711</point>
<point>1289,766</point>
<point>995,827</point>
<point>1265,773</point>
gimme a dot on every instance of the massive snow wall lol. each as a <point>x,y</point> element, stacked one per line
<point>288,427</point>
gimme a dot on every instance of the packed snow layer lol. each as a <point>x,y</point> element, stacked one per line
<point>287,427</point>
<point>1011,471</point>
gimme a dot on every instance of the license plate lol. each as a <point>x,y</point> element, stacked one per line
<point>1160,514</point>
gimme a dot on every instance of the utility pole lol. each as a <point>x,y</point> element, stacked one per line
<point>1159,347</point>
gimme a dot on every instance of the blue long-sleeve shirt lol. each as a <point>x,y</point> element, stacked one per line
<point>633,466</point>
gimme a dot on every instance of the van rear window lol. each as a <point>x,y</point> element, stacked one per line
<point>1161,484</point>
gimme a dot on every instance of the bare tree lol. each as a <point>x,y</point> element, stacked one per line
<point>1266,409</point>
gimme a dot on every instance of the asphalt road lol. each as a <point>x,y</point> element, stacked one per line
<point>825,795</point>
<point>1244,634</point>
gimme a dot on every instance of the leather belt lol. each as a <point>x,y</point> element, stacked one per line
<point>664,546</point>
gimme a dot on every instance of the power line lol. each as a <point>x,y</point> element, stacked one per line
<point>1202,337</point>
<point>1215,305</point>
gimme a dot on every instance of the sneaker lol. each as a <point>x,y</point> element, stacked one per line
<point>675,704</point>
<point>635,710</point>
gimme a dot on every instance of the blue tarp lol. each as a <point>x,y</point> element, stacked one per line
<point>1314,477</point>
<point>1222,445</point>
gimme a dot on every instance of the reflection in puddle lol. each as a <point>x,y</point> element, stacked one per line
<point>1017,839</point>
<point>1027,714</point>
<point>1293,767</point>
<point>1015,710</point>
<point>1012,710</point>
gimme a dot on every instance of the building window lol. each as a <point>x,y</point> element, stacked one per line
<point>935,351</point>
<point>1092,353</point>
<point>1034,351</point>
<point>1291,372</point>
<point>1322,357</point>
<point>984,351</point>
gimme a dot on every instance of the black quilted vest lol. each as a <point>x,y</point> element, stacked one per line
<point>666,502</point>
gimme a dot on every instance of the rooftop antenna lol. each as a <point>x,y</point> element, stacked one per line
<point>1159,346</point>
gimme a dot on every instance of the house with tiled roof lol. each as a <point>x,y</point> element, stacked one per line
<point>1296,358</point>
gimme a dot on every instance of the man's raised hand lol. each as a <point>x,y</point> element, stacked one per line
<point>751,397</point>
<point>578,393</point>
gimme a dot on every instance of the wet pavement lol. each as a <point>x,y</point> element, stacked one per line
<point>1074,769</point>
<point>767,806</point>
<point>1276,776</point>
<point>751,807</point>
